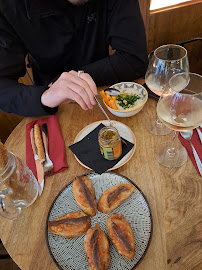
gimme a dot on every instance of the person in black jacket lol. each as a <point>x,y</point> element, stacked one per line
<point>61,37</point>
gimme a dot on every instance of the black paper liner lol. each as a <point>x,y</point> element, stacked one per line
<point>88,152</point>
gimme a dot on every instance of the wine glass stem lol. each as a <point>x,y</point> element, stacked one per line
<point>158,123</point>
<point>171,150</point>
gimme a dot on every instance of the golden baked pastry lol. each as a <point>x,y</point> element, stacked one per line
<point>96,246</point>
<point>70,225</point>
<point>114,196</point>
<point>121,235</point>
<point>84,195</point>
<point>39,143</point>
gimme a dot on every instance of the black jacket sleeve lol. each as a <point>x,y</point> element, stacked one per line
<point>15,97</point>
<point>126,34</point>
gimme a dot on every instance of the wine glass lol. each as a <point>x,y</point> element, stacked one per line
<point>180,109</point>
<point>167,60</point>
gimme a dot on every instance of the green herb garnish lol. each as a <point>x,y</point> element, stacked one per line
<point>126,101</point>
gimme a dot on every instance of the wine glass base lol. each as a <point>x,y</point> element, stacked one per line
<point>155,127</point>
<point>171,157</point>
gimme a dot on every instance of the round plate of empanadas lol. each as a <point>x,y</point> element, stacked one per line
<point>99,222</point>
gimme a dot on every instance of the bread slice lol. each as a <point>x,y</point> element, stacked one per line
<point>70,225</point>
<point>121,235</point>
<point>96,246</point>
<point>114,196</point>
<point>84,195</point>
<point>39,143</point>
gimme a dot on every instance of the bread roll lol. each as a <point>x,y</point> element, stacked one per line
<point>84,195</point>
<point>121,235</point>
<point>70,225</point>
<point>39,143</point>
<point>96,246</point>
<point>114,196</point>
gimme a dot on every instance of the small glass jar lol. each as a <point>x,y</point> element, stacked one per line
<point>18,187</point>
<point>110,143</point>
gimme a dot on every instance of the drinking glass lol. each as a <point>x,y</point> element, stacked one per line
<point>18,187</point>
<point>167,60</point>
<point>180,109</point>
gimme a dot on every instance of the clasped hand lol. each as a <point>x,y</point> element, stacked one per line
<point>69,87</point>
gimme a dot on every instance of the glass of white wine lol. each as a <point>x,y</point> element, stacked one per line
<point>167,60</point>
<point>180,109</point>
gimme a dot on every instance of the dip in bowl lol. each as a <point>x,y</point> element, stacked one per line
<point>131,100</point>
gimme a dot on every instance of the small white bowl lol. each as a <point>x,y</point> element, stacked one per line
<point>139,90</point>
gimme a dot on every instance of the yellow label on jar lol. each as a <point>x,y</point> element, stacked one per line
<point>111,153</point>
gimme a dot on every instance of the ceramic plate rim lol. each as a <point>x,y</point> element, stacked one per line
<point>119,164</point>
<point>86,174</point>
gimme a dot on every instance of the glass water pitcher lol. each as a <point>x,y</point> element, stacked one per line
<point>18,187</point>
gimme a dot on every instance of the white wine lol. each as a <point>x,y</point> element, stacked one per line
<point>154,86</point>
<point>180,112</point>
<point>178,84</point>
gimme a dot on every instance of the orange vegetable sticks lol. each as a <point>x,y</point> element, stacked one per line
<point>102,93</point>
<point>110,101</point>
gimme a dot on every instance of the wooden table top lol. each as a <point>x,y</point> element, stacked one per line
<point>174,196</point>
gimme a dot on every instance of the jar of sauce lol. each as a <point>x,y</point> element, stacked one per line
<point>110,143</point>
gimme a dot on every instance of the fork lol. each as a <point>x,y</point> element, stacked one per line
<point>48,164</point>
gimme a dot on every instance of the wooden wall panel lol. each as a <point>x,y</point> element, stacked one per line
<point>174,25</point>
<point>144,8</point>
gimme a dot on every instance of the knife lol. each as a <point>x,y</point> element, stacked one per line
<point>39,167</point>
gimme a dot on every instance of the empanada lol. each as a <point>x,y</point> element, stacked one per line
<point>114,196</point>
<point>121,235</point>
<point>84,195</point>
<point>96,246</point>
<point>70,225</point>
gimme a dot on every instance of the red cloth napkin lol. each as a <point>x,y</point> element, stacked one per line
<point>197,145</point>
<point>56,145</point>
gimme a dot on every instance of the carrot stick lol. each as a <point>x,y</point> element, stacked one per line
<point>114,104</point>
<point>111,103</point>
<point>106,101</point>
<point>102,93</point>
<point>108,96</point>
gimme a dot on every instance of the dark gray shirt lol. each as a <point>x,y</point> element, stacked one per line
<point>61,37</point>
